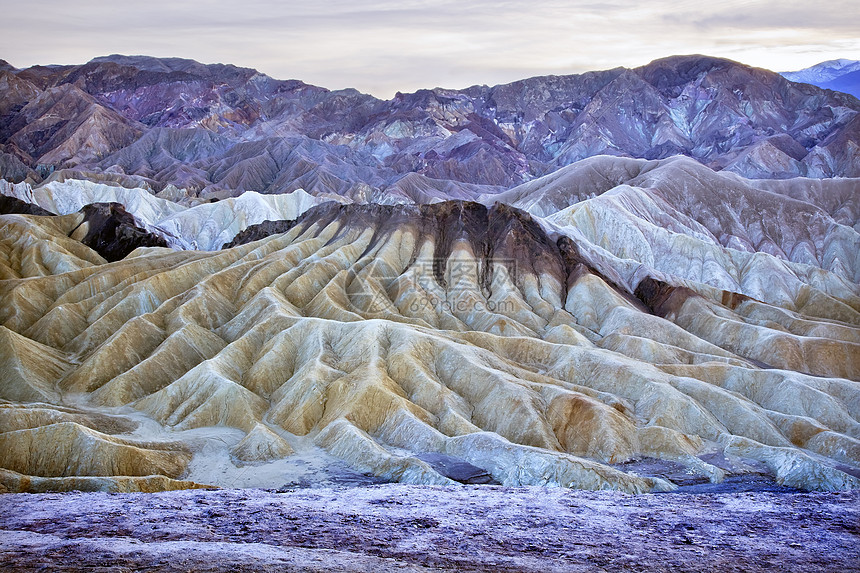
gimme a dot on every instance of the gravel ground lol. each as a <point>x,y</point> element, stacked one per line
<point>419,528</point>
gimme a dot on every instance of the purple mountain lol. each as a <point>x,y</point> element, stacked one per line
<point>219,130</point>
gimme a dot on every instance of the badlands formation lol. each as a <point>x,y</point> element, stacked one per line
<point>614,310</point>
<point>212,277</point>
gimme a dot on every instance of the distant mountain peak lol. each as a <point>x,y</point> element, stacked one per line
<point>823,72</point>
<point>838,75</point>
<point>842,62</point>
<point>678,70</point>
<point>148,63</point>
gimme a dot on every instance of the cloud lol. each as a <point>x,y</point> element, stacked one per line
<point>383,46</point>
<point>839,16</point>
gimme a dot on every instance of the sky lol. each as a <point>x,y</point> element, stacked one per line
<point>381,47</point>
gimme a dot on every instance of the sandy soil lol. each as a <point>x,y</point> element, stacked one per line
<point>418,528</point>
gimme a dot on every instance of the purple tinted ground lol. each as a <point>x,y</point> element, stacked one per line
<point>757,478</point>
<point>393,527</point>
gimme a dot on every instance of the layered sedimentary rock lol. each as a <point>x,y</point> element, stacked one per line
<point>537,351</point>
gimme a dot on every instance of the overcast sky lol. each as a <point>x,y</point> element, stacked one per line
<point>381,46</point>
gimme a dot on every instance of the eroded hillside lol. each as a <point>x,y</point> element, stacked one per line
<point>535,350</point>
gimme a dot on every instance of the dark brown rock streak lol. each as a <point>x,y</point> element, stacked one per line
<point>114,233</point>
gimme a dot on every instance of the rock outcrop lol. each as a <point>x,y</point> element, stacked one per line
<point>12,205</point>
<point>113,232</point>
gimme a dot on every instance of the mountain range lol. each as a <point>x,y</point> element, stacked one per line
<point>219,130</point>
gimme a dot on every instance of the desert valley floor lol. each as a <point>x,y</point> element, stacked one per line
<point>430,528</point>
